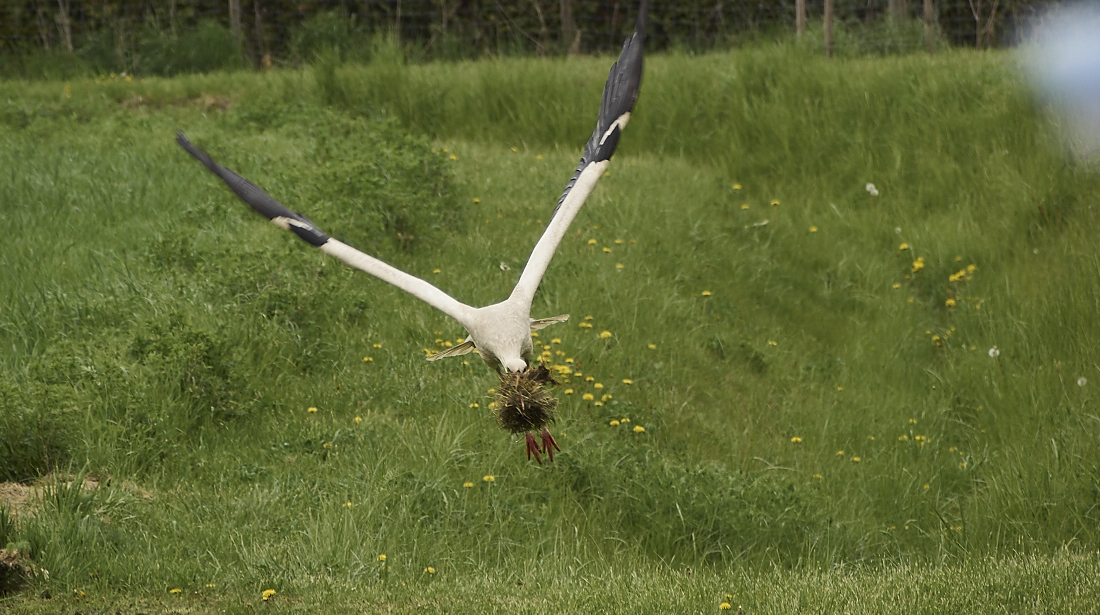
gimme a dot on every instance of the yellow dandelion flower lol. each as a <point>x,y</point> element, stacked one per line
<point>589,317</point>
<point>652,346</point>
<point>598,385</point>
<point>818,475</point>
<point>382,557</point>
<point>474,405</point>
<point>639,429</point>
<point>429,570</point>
<point>605,334</point>
<point>909,300</point>
<point>598,404</point>
<point>705,293</point>
<point>856,460</point>
<point>588,397</point>
<point>605,397</point>
<point>896,285</point>
<point>347,504</point>
<point>618,242</point>
<point>377,344</point>
<point>268,593</point>
<point>927,486</point>
<point>476,200</point>
<point>556,340</point>
<point>606,250</point>
<point>950,302</point>
<point>903,437</point>
<point>176,590</point>
<point>568,391</point>
<point>311,409</point>
<point>624,420</point>
<point>962,464</point>
<point>358,420</point>
<point>796,440</point>
<point>454,157</point>
<point>912,421</point>
<point>840,388</point>
<point>327,445</point>
<point>774,202</point>
<point>613,423</point>
<point>539,157</point>
<point>591,242</point>
<point>618,265</point>
<point>903,246</point>
<point>725,606</point>
<point>627,381</point>
<point>489,478</point>
<point>744,206</point>
<point>585,325</point>
<point>368,359</point>
<point>773,343</point>
<point>971,267</point>
<point>468,484</point>
<point>918,264</point>
<point>840,453</point>
<point>737,186</point>
<point>514,149</point>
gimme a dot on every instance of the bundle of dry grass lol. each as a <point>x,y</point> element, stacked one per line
<point>523,400</point>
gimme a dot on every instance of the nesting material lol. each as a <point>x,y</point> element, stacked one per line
<point>523,400</point>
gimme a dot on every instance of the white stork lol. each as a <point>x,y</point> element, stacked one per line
<point>501,332</point>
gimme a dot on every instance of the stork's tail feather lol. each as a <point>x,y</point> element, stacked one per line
<point>464,348</point>
<point>541,323</point>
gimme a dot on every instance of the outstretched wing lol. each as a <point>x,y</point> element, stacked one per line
<point>301,226</point>
<point>619,94</point>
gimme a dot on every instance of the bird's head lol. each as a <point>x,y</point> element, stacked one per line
<point>514,365</point>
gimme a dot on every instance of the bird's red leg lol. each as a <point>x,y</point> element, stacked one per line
<point>533,448</point>
<point>548,442</point>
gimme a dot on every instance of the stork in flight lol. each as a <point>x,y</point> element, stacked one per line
<point>501,332</point>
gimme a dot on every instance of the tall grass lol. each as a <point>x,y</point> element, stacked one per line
<point>810,396</point>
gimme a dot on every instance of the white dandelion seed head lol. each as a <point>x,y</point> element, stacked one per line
<point>504,266</point>
<point>1082,381</point>
<point>994,353</point>
<point>897,229</point>
<point>871,189</point>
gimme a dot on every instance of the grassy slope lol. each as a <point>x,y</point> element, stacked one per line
<point>803,334</point>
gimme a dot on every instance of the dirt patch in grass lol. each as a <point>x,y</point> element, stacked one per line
<point>15,571</point>
<point>20,498</point>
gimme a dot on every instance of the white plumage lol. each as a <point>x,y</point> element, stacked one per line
<point>500,332</point>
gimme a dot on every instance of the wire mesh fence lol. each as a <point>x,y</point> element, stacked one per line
<point>172,36</point>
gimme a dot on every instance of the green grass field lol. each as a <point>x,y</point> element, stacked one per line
<point>825,425</point>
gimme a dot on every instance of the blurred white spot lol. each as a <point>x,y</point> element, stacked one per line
<point>897,229</point>
<point>871,189</point>
<point>994,353</point>
<point>1082,381</point>
<point>1064,63</point>
<point>504,266</point>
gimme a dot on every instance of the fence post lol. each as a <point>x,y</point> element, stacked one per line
<point>929,26</point>
<point>235,20</point>
<point>570,35</point>
<point>800,17</point>
<point>828,28</point>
